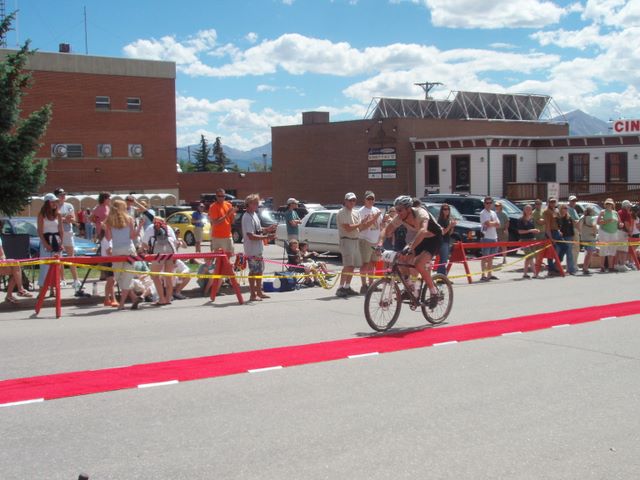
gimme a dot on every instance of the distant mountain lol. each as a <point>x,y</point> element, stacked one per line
<point>242,158</point>
<point>581,123</point>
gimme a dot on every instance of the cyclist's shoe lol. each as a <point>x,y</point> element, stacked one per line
<point>341,292</point>
<point>433,300</point>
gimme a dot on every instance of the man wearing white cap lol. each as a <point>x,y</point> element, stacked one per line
<point>293,219</point>
<point>573,213</point>
<point>349,226</point>
<point>68,214</point>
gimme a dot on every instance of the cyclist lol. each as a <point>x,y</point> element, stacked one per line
<point>424,236</point>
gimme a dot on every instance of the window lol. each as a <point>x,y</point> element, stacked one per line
<point>578,167</point>
<point>318,220</point>
<point>431,170</point>
<point>103,103</point>
<point>333,224</point>
<point>616,167</point>
<point>134,103</point>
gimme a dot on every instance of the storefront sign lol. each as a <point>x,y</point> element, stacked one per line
<point>385,153</point>
<point>626,126</point>
<point>375,175</point>
<point>375,169</point>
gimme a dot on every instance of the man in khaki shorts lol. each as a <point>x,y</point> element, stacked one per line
<point>368,239</point>
<point>221,215</point>
<point>349,225</point>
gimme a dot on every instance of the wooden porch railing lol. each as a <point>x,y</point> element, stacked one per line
<point>595,192</point>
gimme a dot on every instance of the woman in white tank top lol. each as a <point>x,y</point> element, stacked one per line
<point>50,232</point>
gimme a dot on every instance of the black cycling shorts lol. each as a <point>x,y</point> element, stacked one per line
<point>431,245</point>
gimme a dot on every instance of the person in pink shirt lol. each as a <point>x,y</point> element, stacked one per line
<point>101,211</point>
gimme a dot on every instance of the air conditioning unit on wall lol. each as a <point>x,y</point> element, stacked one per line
<point>104,150</point>
<point>135,150</point>
<point>59,150</point>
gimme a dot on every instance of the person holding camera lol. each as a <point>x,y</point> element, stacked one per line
<point>253,236</point>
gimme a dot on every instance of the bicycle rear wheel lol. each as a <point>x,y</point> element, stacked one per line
<point>442,308</point>
<point>382,304</point>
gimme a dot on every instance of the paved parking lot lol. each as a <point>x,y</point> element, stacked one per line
<point>554,403</point>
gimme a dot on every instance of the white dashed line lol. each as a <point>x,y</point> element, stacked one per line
<point>563,325</point>
<point>370,354</point>
<point>258,370</point>
<point>452,342</point>
<point>23,402</point>
<point>157,384</point>
<point>608,318</point>
<point>511,333</point>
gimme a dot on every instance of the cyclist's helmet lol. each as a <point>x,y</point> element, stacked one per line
<point>403,201</point>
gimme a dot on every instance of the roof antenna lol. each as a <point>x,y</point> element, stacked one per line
<point>427,86</point>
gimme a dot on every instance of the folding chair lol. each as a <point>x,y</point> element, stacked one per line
<point>16,246</point>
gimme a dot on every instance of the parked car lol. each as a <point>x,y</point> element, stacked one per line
<point>29,225</point>
<point>303,209</point>
<point>181,223</point>
<point>582,206</point>
<point>464,231</point>
<point>267,218</point>
<point>319,228</point>
<point>470,207</point>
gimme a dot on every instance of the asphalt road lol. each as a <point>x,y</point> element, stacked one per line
<point>560,403</point>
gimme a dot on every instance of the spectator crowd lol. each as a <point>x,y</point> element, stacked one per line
<point>129,227</point>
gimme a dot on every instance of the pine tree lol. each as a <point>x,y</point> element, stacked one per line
<point>202,163</point>
<point>20,174</point>
<point>220,160</point>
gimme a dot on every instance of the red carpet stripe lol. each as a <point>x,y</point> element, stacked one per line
<point>164,373</point>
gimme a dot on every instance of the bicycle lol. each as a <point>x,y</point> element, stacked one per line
<point>384,298</point>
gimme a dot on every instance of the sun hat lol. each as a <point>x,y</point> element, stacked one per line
<point>50,197</point>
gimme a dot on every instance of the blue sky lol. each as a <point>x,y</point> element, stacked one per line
<point>246,65</point>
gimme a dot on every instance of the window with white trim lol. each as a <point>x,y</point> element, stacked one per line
<point>134,103</point>
<point>103,103</point>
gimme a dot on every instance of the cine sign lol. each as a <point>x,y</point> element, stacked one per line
<point>626,126</point>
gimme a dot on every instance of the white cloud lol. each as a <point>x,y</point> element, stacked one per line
<point>493,14</point>
<point>266,88</point>
<point>580,39</point>
<point>169,49</point>
<point>251,37</point>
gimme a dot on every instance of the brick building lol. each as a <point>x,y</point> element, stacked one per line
<point>321,160</point>
<point>113,126</point>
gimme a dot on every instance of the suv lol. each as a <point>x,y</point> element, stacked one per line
<point>464,231</point>
<point>470,207</point>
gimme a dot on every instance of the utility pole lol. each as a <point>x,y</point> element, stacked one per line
<point>264,160</point>
<point>427,86</point>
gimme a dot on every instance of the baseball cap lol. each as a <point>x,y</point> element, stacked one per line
<point>59,191</point>
<point>369,194</point>
<point>292,200</point>
<point>572,198</point>
<point>350,196</point>
<point>50,197</point>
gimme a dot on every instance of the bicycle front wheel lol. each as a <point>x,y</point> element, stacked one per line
<point>437,310</point>
<point>382,304</point>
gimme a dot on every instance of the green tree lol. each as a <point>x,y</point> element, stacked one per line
<point>220,160</point>
<point>202,156</point>
<point>21,175</point>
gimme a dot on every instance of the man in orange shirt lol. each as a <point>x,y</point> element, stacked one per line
<point>221,215</point>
